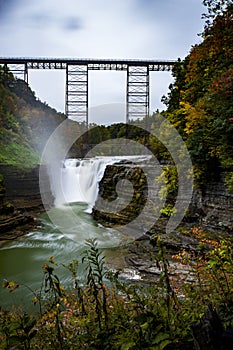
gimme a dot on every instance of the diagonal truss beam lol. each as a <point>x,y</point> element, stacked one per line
<point>137,95</point>
<point>20,70</point>
<point>76,98</point>
<point>77,92</point>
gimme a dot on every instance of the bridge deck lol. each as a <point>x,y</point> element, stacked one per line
<point>92,63</point>
<point>76,96</point>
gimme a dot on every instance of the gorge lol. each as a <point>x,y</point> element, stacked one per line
<point>85,249</point>
<point>62,231</point>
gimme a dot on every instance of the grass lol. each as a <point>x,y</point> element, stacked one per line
<point>16,152</point>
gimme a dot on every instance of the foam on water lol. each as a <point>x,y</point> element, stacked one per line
<point>75,192</point>
<point>79,180</point>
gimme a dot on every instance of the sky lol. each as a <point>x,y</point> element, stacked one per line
<point>123,29</point>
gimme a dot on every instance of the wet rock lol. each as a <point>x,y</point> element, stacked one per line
<point>22,188</point>
<point>15,225</point>
<point>212,207</point>
<point>22,201</point>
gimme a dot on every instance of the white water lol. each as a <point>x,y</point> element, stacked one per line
<point>63,231</point>
<point>79,181</point>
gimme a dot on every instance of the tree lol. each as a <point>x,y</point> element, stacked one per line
<point>215,8</point>
<point>200,103</point>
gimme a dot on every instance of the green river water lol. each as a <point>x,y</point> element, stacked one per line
<point>22,260</point>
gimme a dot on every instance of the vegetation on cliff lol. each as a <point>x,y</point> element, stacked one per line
<point>25,123</point>
<point>200,103</point>
<point>102,312</point>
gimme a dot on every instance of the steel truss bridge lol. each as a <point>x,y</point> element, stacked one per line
<point>76,97</point>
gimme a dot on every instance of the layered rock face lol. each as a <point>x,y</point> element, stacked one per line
<point>22,188</point>
<point>126,191</point>
<point>216,204</point>
<point>111,192</point>
<point>22,200</point>
<point>213,207</point>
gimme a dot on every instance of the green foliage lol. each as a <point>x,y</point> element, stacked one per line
<point>200,101</point>
<point>229,181</point>
<point>18,329</point>
<point>25,123</point>
<point>169,173</point>
<point>16,152</point>
<point>168,210</point>
<point>103,312</point>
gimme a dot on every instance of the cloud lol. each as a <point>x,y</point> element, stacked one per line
<point>37,20</point>
<point>143,29</point>
<point>42,21</point>
<point>127,29</point>
<point>72,23</point>
<point>6,7</point>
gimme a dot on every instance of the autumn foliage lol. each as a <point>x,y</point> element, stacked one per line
<point>200,102</point>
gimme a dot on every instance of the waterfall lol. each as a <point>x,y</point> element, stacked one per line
<point>79,180</point>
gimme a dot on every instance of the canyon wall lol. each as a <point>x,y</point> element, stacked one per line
<point>22,188</point>
<point>212,207</point>
<point>216,204</point>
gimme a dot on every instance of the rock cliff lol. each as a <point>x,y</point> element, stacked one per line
<point>22,201</point>
<point>212,207</point>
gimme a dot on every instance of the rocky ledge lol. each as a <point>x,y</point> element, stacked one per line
<point>21,203</point>
<point>212,207</point>
<point>15,225</point>
<point>211,210</point>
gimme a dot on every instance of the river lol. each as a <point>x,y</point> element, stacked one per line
<point>62,233</point>
<point>22,260</point>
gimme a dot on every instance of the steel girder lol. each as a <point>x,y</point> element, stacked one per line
<point>77,92</point>
<point>137,95</point>
<point>76,99</point>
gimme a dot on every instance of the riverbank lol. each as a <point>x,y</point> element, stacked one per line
<point>15,225</point>
<point>191,240</point>
<point>22,202</point>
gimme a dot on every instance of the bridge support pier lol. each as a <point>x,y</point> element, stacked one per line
<point>77,92</point>
<point>76,99</point>
<point>20,71</point>
<point>137,96</point>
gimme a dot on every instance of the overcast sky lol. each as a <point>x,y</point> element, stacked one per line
<point>143,29</point>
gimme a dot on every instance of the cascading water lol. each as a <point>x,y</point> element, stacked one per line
<point>80,180</point>
<point>63,229</point>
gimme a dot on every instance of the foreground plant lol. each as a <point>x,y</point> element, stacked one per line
<point>104,312</point>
